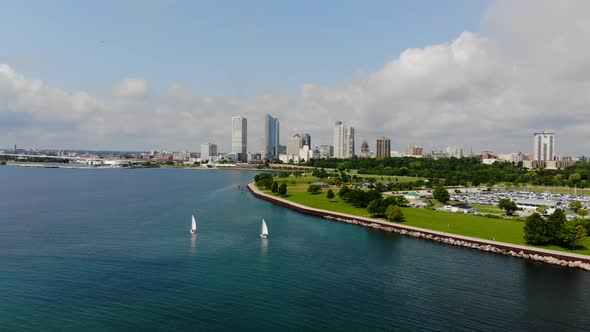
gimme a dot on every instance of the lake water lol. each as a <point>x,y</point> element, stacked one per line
<point>86,250</point>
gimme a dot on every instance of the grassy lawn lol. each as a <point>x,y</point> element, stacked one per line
<point>488,209</point>
<point>504,230</point>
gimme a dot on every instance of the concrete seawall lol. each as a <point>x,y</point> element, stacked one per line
<point>526,252</point>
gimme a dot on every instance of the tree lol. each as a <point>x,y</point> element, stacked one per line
<point>275,187</point>
<point>441,194</point>
<point>375,207</point>
<point>344,190</point>
<point>555,225</point>
<point>314,189</point>
<point>572,233</point>
<point>575,205</point>
<point>330,194</point>
<point>574,179</point>
<point>536,230</point>
<point>394,213</point>
<point>507,205</point>
<point>283,189</point>
<point>542,209</point>
<point>582,212</point>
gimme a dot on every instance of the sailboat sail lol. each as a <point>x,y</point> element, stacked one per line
<point>194,225</point>
<point>264,229</point>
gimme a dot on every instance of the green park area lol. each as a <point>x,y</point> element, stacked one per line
<point>478,226</point>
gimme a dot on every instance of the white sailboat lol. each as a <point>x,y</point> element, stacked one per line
<point>264,230</point>
<point>194,226</point>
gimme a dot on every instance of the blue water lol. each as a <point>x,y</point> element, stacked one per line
<point>86,250</point>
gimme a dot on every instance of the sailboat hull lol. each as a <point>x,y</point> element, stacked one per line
<point>193,231</point>
<point>264,236</point>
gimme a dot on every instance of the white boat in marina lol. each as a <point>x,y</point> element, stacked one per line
<point>264,230</point>
<point>194,226</point>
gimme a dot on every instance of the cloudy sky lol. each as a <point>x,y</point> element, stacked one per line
<point>141,75</point>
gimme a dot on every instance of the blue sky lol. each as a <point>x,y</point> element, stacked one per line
<point>144,75</point>
<point>240,48</point>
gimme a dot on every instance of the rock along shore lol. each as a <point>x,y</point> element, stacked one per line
<point>526,252</point>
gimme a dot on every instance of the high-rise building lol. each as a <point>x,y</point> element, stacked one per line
<point>414,150</point>
<point>325,151</point>
<point>349,142</point>
<point>383,147</point>
<point>544,148</point>
<point>295,143</point>
<point>343,141</point>
<point>455,151</point>
<point>239,137</point>
<point>208,150</point>
<point>271,137</point>
<point>307,140</point>
<point>338,140</point>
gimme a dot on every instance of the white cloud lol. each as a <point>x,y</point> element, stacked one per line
<point>132,88</point>
<point>530,72</point>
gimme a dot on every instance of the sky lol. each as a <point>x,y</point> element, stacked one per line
<point>169,75</point>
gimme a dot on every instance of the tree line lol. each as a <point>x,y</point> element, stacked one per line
<point>461,171</point>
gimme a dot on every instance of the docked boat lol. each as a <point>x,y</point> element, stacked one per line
<point>194,226</point>
<point>264,230</point>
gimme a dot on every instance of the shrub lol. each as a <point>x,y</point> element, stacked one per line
<point>394,213</point>
<point>314,189</point>
<point>283,189</point>
<point>330,194</point>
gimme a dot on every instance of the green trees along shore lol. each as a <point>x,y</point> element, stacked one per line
<point>555,229</point>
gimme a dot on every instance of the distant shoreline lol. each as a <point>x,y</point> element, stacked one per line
<point>514,250</point>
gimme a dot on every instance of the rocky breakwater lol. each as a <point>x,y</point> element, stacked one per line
<point>501,249</point>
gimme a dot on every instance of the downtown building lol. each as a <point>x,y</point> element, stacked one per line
<point>239,138</point>
<point>343,141</point>
<point>544,146</point>
<point>383,147</point>
<point>271,137</point>
<point>208,151</point>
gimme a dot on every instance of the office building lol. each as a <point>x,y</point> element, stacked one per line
<point>239,138</point>
<point>544,148</point>
<point>208,150</point>
<point>295,143</point>
<point>271,137</point>
<point>306,140</point>
<point>325,151</point>
<point>455,151</point>
<point>338,140</point>
<point>414,150</point>
<point>383,147</point>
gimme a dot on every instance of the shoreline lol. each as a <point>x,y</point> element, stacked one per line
<point>525,252</point>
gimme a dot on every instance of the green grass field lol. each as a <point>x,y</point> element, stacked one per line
<point>504,230</point>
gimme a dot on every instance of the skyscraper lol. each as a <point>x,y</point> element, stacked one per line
<point>338,139</point>
<point>544,148</point>
<point>239,137</point>
<point>383,147</point>
<point>271,137</point>
<point>307,139</point>
<point>208,150</point>
<point>348,142</point>
<point>343,141</point>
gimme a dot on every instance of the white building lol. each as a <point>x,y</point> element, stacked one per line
<point>295,143</point>
<point>455,151</point>
<point>208,150</point>
<point>305,154</point>
<point>544,148</point>
<point>338,140</point>
<point>533,204</point>
<point>343,141</point>
<point>512,157</point>
<point>325,151</point>
<point>239,137</point>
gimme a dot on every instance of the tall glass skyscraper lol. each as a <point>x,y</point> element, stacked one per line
<point>239,137</point>
<point>271,137</point>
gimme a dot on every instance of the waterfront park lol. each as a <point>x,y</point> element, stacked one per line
<point>489,224</point>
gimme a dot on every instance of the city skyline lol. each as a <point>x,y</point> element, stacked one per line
<point>480,80</point>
